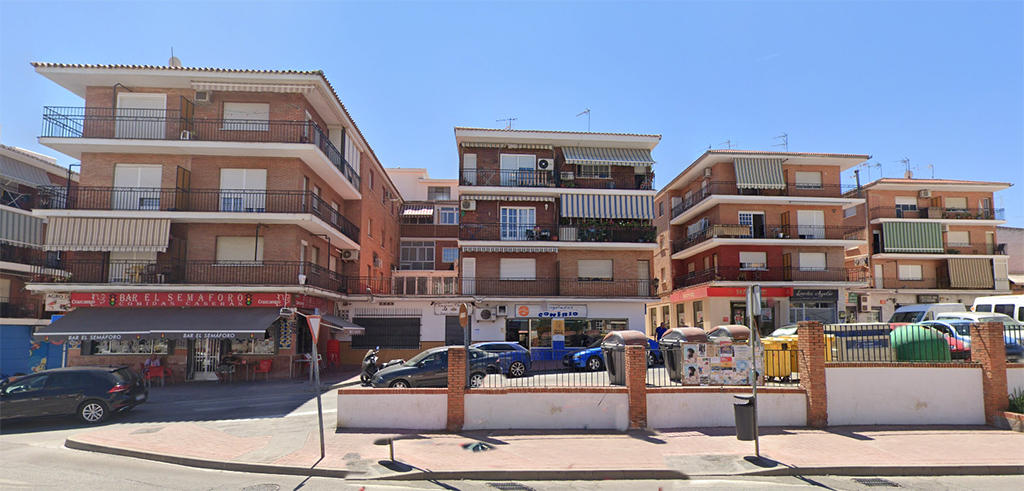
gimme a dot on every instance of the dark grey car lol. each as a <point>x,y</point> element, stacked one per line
<point>91,393</point>
<point>430,369</point>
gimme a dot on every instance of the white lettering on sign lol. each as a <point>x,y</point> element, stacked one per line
<point>208,335</point>
<point>552,312</point>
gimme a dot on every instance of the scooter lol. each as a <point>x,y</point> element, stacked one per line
<point>370,366</point>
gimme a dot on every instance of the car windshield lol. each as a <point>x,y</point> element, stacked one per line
<point>418,358</point>
<point>596,343</point>
<point>908,317</point>
<point>962,328</point>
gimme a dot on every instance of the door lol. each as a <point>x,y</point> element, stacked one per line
<point>784,226</point>
<point>454,334</point>
<point>990,243</point>
<point>204,358</point>
<point>141,116</point>
<point>136,187</point>
<point>433,371</point>
<point>787,267</point>
<point>469,276</point>
<point>22,397</point>
<point>182,184</point>
<point>810,224</point>
<point>643,275</point>
<point>878,276</point>
<point>755,222</point>
<point>63,392</point>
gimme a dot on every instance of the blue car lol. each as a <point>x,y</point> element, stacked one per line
<point>592,358</point>
<point>515,359</point>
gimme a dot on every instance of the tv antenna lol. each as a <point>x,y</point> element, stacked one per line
<point>869,165</point>
<point>929,166</point>
<point>728,144</point>
<point>587,112</point>
<point>508,122</point>
<point>785,141</point>
<point>906,163</point>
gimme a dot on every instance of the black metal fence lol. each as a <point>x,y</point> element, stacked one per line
<point>639,233</point>
<point>737,231</point>
<point>729,188</point>
<point>612,179</point>
<point>935,212</point>
<point>19,308</point>
<point>733,273</point>
<point>451,285</point>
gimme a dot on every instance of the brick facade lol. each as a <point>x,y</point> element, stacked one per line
<point>456,388</point>
<point>812,372</point>
<point>636,384</point>
<point>988,349</point>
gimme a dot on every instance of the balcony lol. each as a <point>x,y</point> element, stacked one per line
<point>773,274</point>
<point>541,287</point>
<point>972,248</point>
<point>615,179</point>
<point>430,230</point>
<point>729,188</point>
<point>152,124</point>
<point>795,232</point>
<point>193,200</point>
<point>936,213</point>
<point>560,233</point>
<point>19,308</point>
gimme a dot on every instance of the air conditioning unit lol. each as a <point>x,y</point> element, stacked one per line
<point>203,95</point>
<point>378,263</point>
<point>567,176</point>
<point>924,193</point>
<point>545,164</point>
<point>485,315</point>
<point>467,205</point>
<point>945,228</point>
<point>349,255</point>
<point>707,172</point>
<point>501,310</point>
<point>864,302</point>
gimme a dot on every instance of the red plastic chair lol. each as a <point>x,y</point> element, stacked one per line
<point>150,373</point>
<point>263,368</point>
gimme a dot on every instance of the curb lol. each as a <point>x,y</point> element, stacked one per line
<point>922,470</point>
<point>546,475</point>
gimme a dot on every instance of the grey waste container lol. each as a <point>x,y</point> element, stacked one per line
<point>743,407</point>
<point>671,345</point>
<point>613,347</point>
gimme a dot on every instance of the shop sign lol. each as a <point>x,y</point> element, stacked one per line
<point>446,309</point>
<point>94,337</point>
<point>552,311</point>
<point>180,299</point>
<point>726,291</point>
<point>207,335</point>
<point>927,299</point>
<point>815,295</point>
<point>307,302</point>
<point>851,298</point>
<point>57,302</point>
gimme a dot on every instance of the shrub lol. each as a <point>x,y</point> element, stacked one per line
<point>1017,401</point>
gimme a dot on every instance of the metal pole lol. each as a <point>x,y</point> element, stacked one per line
<point>319,404</point>
<point>753,311</point>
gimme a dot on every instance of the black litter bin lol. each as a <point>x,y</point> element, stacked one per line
<point>671,345</point>
<point>743,407</point>
<point>614,349</point>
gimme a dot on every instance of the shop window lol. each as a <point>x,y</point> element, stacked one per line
<point>581,333</point>
<point>654,318</point>
<point>698,313</point>
<point>126,347</point>
<point>666,315</point>
<point>680,314</point>
<point>253,346</point>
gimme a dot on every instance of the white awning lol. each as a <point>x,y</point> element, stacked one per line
<point>418,211</point>
<point>607,206</point>
<point>1016,279</point>
<point>243,87</point>
<point>607,156</point>
<point>495,197</point>
<point>338,324</point>
<point>108,234</point>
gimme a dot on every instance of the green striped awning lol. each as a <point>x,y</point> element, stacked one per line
<point>912,237</point>
<point>759,174</point>
<point>607,156</point>
<point>20,229</point>
<point>607,206</point>
<point>970,272</point>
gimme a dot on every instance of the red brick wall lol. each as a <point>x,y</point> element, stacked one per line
<point>988,349</point>
<point>812,372</point>
<point>456,388</point>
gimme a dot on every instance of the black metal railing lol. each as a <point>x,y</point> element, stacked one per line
<point>881,342</point>
<point>732,273</point>
<point>23,255</point>
<point>436,285</point>
<point>975,248</point>
<point>155,124</point>
<point>915,283</point>
<point>19,308</point>
<point>617,178</point>
<point>560,233</point>
<point>934,212</point>
<point>729,188</point>
<point>736,231</point>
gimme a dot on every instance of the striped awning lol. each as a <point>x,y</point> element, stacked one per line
<point>20,229</point>
<point>495,197</point>
<point>607,156</point>
<point>607,206</point>
<point>255,87</point>
<point>108,234</point>
<point>912,237</point>
<point>509,249</point>
<point>418,211</point>
<point>759,174</point>
<point>519,146</point>
<point>970,272</point>
<point>22,173</point>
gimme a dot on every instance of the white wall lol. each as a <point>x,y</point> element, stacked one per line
<point>395,411</point>
<point>708,410</point>
<point>1014,379</point>
<point>553,410</point>
<point>904,395</point>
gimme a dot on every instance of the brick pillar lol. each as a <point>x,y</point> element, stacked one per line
<point>636,385</point>
<point>988,348</point>
<point>456,388</point>
<point>811,339</point>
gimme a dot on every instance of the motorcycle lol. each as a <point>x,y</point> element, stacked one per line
<point>370,366</point>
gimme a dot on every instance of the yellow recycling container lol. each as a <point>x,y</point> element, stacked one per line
<point>778,357</point>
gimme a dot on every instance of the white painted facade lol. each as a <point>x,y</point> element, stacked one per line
<point>1014,379</point>
<point>393,411</point>
<point>709,410</point>
<point>905,395</point>
<point>547,410</point>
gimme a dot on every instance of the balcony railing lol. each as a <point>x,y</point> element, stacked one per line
<point>913,283</point>
<point>435,285</point>
<point>155,124</point>
<point>615,179</point>
<point>19,308</point>
<point>727,273</point>
<point>729,188</point>
<point>560,233</point>
<point>430,230</point>
<point>194,200</point>
<point>735,231</point>
<point>983,248</point>
<point>937,213</point>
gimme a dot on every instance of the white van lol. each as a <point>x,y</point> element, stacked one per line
<point>1011,305</point>
<point>923,312</point>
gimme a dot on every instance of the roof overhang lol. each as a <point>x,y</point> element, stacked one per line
<point>556,138</point>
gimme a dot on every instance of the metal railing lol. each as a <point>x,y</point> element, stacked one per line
<point>156,124</point>
<point>733,273</point>
<point>729,188</point>
<point>882,342</point>
<point>560,233</point>
<point>915,283</point>
<point>22,255</point>
<point>737,231</point>
<point>934,212</point>
<point>615,179</point>
<point>447,285</point>
<point>19,308</point>
<point>983,248</point>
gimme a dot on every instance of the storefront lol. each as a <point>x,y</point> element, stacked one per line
<point>710,306</point>
<point>550,330</point>
<point>814,305</point>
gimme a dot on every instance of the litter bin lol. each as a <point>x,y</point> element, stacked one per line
<point>672,348</point>
<point>743,408</point>
<point>779,356</point>
<point>613,347</point>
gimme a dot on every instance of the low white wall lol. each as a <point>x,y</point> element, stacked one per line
<point>904,395</point>
<point>399,411</point>
<point>1014,379</point>
<point>708,410</point>
<point>547,410</point>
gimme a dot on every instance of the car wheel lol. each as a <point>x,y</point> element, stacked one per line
<point>595,363</point>
<point>400,384</point>
<point>476,379</point>
<point>92,412</point>
<point>517,369</point>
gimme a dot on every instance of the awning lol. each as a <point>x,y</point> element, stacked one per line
<point>970,272</point>
<point>509,249</point>
<point>96,323</point>
<point>519,146</point>
<point>912,237</point>
<point>22,173</point>
<point>607,206</point>
<point>339,324</point>
<point>418,211</point>
<point>1016,279</point>
<point>255,87</point>
<point>607,156</point>
<point>108,234</point>
<point>495,197</point>
<point>759,174</point>
<point>20,229</point>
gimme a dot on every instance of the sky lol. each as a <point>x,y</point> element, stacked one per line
<point>938,83</point>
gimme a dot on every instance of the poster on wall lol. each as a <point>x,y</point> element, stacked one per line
<point>57,302</point>
<point>716,363</point>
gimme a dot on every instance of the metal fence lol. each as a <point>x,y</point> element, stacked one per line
<point>882,342</point>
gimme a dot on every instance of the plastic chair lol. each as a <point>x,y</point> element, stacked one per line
<point>263,368</point>
<point>150,373</point>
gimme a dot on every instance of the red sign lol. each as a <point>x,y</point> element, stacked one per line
<point>726,291</point>
<point>308,302</point>
<point>182,299</point>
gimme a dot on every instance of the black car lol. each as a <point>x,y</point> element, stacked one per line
<point>430,369</point>
<point>91,393</point>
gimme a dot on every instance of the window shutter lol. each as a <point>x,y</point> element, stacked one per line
<point>956,203</point>
<point>958,238</point>
<point>594,268</point>
<point>810,261</point>
<point>753,257</point>
<point>518,269</point>
<point>232,178</point>
<point>808,179</point>
<point>906,200</point>
<point>238,249</point>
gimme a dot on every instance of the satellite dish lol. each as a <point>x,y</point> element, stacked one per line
<point>908,174</point>
<point>174,62</point>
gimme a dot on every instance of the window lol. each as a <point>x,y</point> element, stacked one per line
<point>518,268</point>
<point>594,269</point>
<point>246,116</point>
<point>369,180</point>
<point>239,249</point>
<point>910,272</point>
<point>754,220</point>
<point>666,315</point>
<point>849,212</point>
<point>808,180</point>
<point>518,169</point>
<point>600,171</point>
<point>382,236</point>
<point>384,195</point>
<point>654,319</point>
<point>906,204</point>
<point>132,267</point>
<point>812,261</point>
<point>958,204</point>
<point>680,314</point>
<point>753,260</point>
<point>661,209</point>
<point>253,346</point>
<point>469,169</point>
<point>518,223</point>
<point>439,193</point>
<point>810,224</point>
<point>143,183</point>
<point>449,254</point>
<point>448,215</point>
<point>243,190</point>
<point>369,227</point>
<point>314,255</point>
<point>128,346</point>
<point>962,239</point>
<point>417,255</point>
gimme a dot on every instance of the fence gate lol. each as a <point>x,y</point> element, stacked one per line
<point>204,356</point>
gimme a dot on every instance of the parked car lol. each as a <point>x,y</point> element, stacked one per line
<point>1011,305</point>
<point>430,369</point>
<point>514,358</point>
<point>786,330</point>
<point>957,333</point>
<point>909,314</point>
<point>592,357</point>
<point>91,393</point>
<point>1013,331</point>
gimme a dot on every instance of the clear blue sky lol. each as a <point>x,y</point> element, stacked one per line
<point>940,83</point>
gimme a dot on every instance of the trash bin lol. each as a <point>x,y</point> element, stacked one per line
<point>779,356</point>
<point>918,343</point>
<point>743,408</point>
<point>672,348</point>
<point>613,347</point>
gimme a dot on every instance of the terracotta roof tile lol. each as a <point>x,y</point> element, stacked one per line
<point>559,132</point>
<point>791,154</point>
<point>897,180</point>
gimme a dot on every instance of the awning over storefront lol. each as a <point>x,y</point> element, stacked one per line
<point>607,156</point>
<point>759,174</point>
<point>108,234</point>
<point>912,237</point>
<point>970,272</point>
<point>607,206</point>
<point>88,324</point>
<point>339,324</point>
<point>20,229</point>
<point>418,211</point>
<point>22,173</point>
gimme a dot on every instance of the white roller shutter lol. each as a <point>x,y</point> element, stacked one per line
<point>812,261</point>
<point>234,249</point>
<point>518,269</point>
<point>600,269</point>
<point>750,260</point>
<point>246,116</point>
